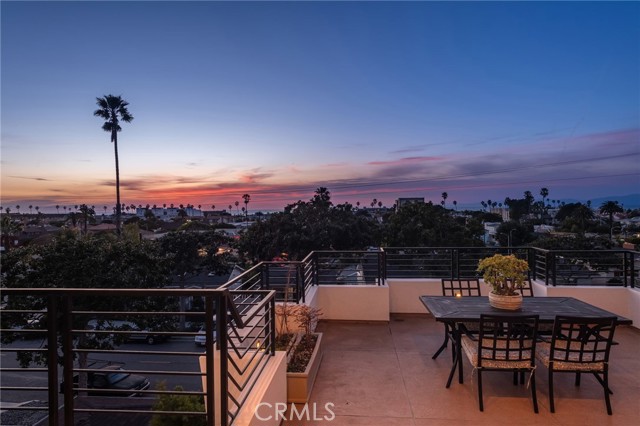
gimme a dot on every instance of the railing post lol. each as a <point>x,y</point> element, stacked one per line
<point>300,283</point>
<point>272,331</point>
<point>52,358</point>
<point>314,262</point>
<point>67,348</point>
<point>455,264</point>
<point>264,277</point>
<point>210,358</point>
<point>221,317</point>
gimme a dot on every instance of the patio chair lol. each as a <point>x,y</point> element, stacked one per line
<point>457,288</point>
<point>579,345</point>
<point>504,343</point>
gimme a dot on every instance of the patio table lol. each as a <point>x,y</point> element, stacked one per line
<point>454,310</point>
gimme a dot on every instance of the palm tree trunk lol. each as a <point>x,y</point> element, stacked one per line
<point>114,136</point>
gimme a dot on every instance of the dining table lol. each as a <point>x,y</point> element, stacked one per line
<point>467,309</point>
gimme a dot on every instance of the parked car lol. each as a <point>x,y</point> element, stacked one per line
<point>200,339</point>
<point>136,332</point>
<point>112,377</point>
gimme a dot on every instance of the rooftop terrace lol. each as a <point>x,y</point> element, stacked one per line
<point>382,374</point>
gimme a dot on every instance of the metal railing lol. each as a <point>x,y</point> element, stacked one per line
<point>587,267</point>
<point>239,324</point>
<point>292,280</point>
<point>442,262</point>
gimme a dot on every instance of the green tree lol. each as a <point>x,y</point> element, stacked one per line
<point>610,208</point>
<point>113,109</point>
<point>177,402</point>
<point>519,234</point>
<point>583,214</point>
<point>190,253</point>
<point>305,226</point>
<point>69,261</point>
<point>87,214</point>
<point>424,225</point>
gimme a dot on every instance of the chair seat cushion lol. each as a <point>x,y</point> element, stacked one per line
<point>499,360</point>
<point>543,353</point>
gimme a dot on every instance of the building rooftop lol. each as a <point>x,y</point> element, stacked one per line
<point>382,374</point>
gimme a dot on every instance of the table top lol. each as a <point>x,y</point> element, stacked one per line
<point>469,308</point>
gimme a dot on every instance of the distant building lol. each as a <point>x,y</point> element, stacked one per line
<point>404,201</point>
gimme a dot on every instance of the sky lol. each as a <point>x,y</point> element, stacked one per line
<point>481,100</point>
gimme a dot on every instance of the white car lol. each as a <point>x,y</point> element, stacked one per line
<point>200,339</point>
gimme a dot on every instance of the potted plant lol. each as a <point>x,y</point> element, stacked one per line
<point>304,360</point>
<point>299,341</point>
<point>506,276</point>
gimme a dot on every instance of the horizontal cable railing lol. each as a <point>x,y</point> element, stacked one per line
<point>358,267</point>
<point>587,267</point>
<point>95,335</point>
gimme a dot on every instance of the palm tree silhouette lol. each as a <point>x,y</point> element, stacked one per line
<point>246,198</point>
<point>444,198</point>
<point>58,208</point>
<point>113,109</point>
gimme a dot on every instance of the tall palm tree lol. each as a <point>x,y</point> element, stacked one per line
<point>545,193</point>
<point>114,109</point>
<point>444,198</point>
<point>246,198</point>
<point>455,204</point>
<point>610,208</point>
<point>58,208</point>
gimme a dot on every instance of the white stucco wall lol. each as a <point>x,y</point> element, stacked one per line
<point>353,302</point>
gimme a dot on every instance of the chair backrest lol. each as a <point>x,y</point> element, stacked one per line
<point>527,288</point>
<point>461,287</point>
<point>507,338</point>
<point>582,340</point>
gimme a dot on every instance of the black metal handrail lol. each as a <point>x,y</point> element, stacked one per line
<point>238,313</point>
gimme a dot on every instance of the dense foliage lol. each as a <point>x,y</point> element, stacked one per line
<point>306,226</point>
<point>427,225</point>
<point>74,261</point>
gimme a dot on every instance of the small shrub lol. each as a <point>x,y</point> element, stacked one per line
<point>173,402</point>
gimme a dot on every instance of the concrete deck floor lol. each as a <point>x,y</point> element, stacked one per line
<point>382,374</point>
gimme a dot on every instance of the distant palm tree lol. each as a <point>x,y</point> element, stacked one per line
<point>113,109</point>
<point>444,198</point>
<point>610,208</point>
<point>379,204</point>
<point>545,193</point>
<point>358,204</point>
<point>37,209</point>
<point>213,206</point>
<point>246,198</point>
<point>455,204</point>
<point>58,208</point>
<point>237,203</point>
<point>18,208</point>
<point>65,209</point>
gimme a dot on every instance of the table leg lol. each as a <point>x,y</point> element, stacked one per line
<point>457,354</point>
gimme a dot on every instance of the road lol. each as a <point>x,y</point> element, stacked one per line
<point>149,362</point>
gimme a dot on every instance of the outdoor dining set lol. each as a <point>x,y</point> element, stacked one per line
<point>563,334</point>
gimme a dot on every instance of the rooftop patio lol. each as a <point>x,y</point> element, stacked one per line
<point>381,373</point>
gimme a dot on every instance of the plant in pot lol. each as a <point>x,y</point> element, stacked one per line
<point>304,359</point>
<point>506,275</point>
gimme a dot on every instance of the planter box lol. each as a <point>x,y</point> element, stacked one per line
<point>299,385</point>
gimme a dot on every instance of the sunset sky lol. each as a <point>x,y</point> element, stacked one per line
<point>371,100</point>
